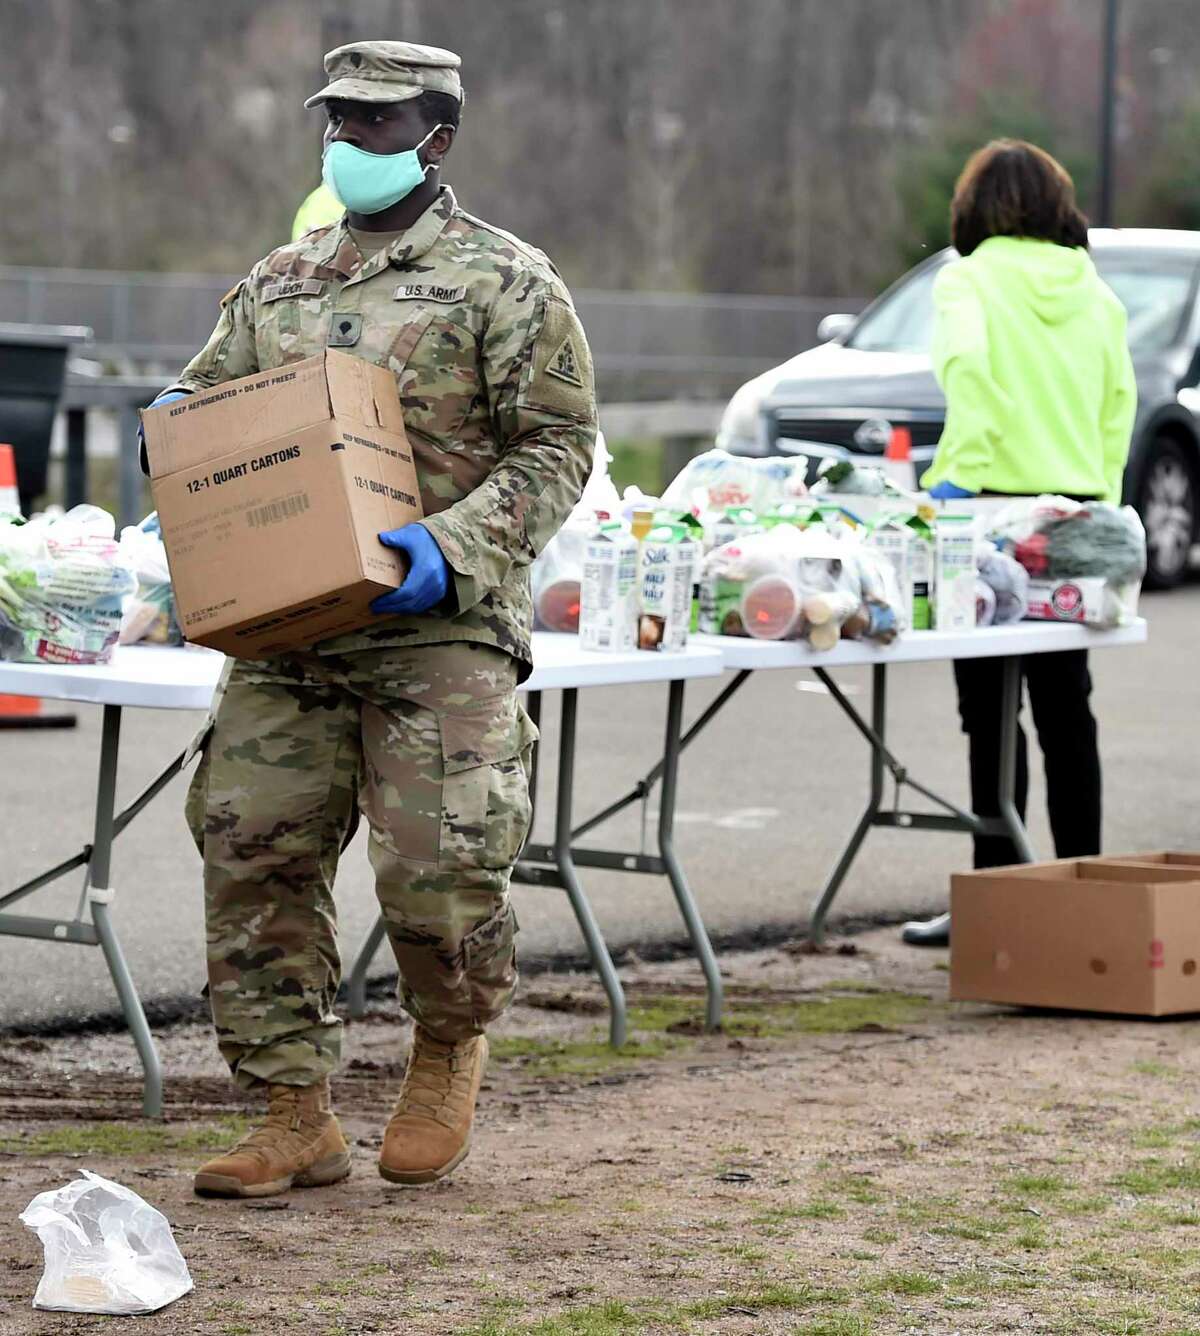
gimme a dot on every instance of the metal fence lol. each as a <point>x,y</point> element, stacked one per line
<point>647,345</point>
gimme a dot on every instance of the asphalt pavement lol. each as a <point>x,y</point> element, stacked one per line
<point>768,795</point>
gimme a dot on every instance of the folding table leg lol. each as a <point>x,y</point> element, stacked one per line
<point>674,869</point>
<point>816,926</point>
<point>100,896</point>
<point>1010,724</point>
<point>565,862</point>
<point>356,987</point>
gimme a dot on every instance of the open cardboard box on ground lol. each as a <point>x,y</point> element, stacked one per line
<point>272,491</point>
<point>1119,935</point>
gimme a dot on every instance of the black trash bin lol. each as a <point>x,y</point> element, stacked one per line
<point>33,366</point>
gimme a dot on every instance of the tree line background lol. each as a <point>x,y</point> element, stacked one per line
<point>761,146</point>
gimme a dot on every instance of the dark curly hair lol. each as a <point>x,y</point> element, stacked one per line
<point>1013,189</point>
<point>439,109</point>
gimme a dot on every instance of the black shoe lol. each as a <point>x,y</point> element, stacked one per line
<point>928,932</point>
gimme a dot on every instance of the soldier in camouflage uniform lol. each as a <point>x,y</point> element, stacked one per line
<point>414,719</point>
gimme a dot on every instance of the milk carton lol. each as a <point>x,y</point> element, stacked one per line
<point>954,573</point>
<point>608,604</point>
<point>667,565</point>
<point>895,542</point>
<point>922,572</point>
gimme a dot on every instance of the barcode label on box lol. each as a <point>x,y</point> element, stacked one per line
<point>275,511</point>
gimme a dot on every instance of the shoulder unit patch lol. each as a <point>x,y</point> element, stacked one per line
<point>564,363</point>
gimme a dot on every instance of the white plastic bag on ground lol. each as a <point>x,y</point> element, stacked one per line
<point>106,1250</point>
<point>63,585</point>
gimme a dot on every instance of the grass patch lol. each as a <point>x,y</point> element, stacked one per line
<point>1036,1185</point>
<point>1151,1067</point>
<point>607,1319</point>
<point>638,463</point>
<point>777,1298</point>
<point>976,1228</point>
<point>554,1057</point>
<point>928,1210</point>
<point>911,1283</point>
<point>104,1139</point>
<point>1150,1177</point>
<point>840,1012</point>
<point>838,1324</point>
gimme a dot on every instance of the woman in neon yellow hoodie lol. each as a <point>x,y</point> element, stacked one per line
<point>1029,349</point>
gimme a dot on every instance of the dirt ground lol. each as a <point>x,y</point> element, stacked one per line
<point>852,1154</point>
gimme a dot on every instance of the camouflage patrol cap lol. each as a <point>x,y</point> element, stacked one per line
<point>388,72</point>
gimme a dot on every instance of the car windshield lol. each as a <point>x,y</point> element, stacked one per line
<point>1154,289</point>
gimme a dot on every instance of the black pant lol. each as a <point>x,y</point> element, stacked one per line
<point>1059,687</point>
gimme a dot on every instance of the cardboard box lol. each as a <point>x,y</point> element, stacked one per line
<point>272,491</point>
<point>1118,935</point>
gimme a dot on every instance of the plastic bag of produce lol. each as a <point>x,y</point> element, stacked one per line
<point>717,480</point>
<point>106,1250</point>
<point>1085,560</point>
<point>63,585</point>
<point>150,614</point>
<point>1008,582</point>
<point>789,583</point>
<point>556,578</point>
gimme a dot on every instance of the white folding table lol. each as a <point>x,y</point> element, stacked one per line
<point>149,677</point>
<point>1010,643</point>
<point>559,663</point>
<point>153,677</point>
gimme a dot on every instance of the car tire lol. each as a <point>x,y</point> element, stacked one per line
<point>1167,502</point>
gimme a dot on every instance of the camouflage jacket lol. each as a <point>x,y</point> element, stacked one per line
<point>495,380</point>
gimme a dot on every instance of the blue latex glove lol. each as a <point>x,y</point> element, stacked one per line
<point>948,491</point>
<point>428,578</point>
<point>166,397</point>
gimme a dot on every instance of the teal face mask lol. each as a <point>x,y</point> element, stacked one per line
<point>370,182</point>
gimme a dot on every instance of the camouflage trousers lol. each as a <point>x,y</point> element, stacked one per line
<point>433,747</point>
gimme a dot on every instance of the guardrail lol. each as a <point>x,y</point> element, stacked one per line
<point>647,345</point>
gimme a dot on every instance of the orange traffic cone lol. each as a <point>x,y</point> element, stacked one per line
<point>10,500</point>
<point>21,711</point>
<point>897,459</point>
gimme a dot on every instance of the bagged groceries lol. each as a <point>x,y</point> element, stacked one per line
<point>150,614</point>
<point>717,480</point>
<point>1085,560</point>
<point>790,583</point>
<point>106,1250</point>
<point>1007,585</point>
<point>555,580</point>
<point>63,584</point>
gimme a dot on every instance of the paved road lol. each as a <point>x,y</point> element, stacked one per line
<point>767,796</point>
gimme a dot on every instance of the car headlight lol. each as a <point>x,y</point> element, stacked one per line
<point>741,430</point>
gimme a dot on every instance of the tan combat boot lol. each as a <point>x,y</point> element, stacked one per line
<point>430,1132</point>
<point>299,1146</point>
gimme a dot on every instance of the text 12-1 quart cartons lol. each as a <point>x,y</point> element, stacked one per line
<point>272,491</point>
